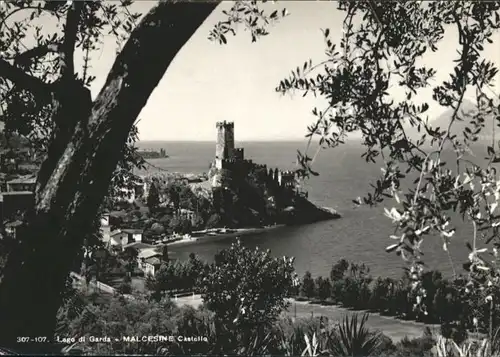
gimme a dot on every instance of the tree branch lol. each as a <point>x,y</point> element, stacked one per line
<point>24,80</point>
<point>68,46</point>
<point>36,52</point>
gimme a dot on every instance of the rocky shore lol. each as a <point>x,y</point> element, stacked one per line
<point>312,214</point>
<point>202,236</point>
<point>305,212</point>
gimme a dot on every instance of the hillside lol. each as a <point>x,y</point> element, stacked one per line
<point>467,110</point>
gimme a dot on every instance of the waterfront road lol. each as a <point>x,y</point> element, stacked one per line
<point>394,328</point>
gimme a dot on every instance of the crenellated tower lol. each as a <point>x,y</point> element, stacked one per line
<point>224,147</point>
<point>225,152</point>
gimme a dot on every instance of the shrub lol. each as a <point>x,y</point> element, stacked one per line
<point>455,331</point>
<point>338,270</point>
<point>385,347</point>
<point>125,288</point>
<point>246,289</point>
<point>289,334</point>
<point>307,287</point>
<point>301,298</point>
<point>420,346</point>
<point>324,289</point>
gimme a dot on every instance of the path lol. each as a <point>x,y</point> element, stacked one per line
<point>393,328</point>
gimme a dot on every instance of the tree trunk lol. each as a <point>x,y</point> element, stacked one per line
<point>72,184</point>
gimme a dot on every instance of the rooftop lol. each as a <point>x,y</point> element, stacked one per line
<point>23,179</point>
<point>132,231</point>
<point>148,253</point>
<point>138,245</point>
<point>114,233</point>
<point>16,193</point>
<point>153,261</point>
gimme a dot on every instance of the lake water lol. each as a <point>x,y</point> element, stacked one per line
<point>360,235</point>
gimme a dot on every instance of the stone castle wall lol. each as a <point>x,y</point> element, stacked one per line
<point>227,157</point>
<point>234,165</point>
<point>239,154</point>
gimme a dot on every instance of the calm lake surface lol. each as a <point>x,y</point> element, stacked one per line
<point>360,235</point>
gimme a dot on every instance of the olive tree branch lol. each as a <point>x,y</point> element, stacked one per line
<point>36,52</point>
<point>68,46</point>
<point>23,80</point>
<point>4,20</point>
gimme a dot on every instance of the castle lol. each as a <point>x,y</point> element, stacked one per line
<point>225,152</point>
<point>230,158</point>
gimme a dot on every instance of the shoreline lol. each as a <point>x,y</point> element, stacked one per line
<point>238,232</point>
<point>219,236</point>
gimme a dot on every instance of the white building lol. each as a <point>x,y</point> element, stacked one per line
<point>122,237</point>
<point>149,261</point>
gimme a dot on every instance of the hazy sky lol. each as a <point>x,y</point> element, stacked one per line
<point>208,82</point>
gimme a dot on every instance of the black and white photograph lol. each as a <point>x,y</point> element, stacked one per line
<point>250,178</point>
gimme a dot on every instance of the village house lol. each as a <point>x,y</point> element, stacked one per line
<point>122,237</point>
<point>187,214</point>
<point>149,261</point>
<point>23,183</point>
<point>134,191</point>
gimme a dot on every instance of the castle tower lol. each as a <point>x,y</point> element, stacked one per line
<point>224,147</point>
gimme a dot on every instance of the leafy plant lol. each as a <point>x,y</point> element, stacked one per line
<point>247,290</point>
<point>353,338</point>
<point>449,348</point>
<point>311,349</point>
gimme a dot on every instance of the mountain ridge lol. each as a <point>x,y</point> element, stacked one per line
<point>466,112</point>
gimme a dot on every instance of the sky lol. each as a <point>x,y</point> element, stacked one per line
<point>208,82</point>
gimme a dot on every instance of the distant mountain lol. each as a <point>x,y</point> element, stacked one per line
<point>467,111</point>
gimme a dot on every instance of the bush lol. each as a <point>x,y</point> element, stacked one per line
<point>246,289</point>
<point>125,288</point>
<point>316,301</point>
<point>338,270</point>
<point>324,289</point>
<point>123,317</point>
<point>194,322</point>
<point>353,338</point>
<point>289,334</point>
<point>127,279</point>
<point>455,331</point>
<point>380,296</point>
<point>301,298</point>
<point>328,303</point>
<point>307,286</point>
<point>420,346</point>
<point>386,346</point>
